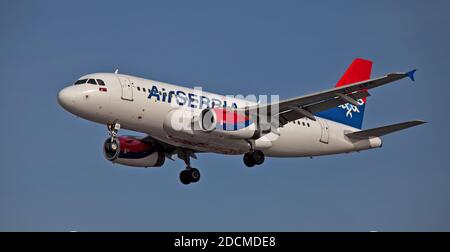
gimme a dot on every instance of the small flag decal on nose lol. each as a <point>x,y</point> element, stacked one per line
<point>102,89</point>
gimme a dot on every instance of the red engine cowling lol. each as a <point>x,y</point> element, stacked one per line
<point>132,151</point>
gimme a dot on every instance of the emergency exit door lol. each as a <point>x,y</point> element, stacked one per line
<point>127,88</point>
<point>325,136</point>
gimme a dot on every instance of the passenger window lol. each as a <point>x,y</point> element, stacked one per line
<point>303,123</point>
<point>138,88</point>
<point>92,81</point>
<point>308,124</point>
<point>78,82</point>
<point>143,89</point>
<point>100,82</point>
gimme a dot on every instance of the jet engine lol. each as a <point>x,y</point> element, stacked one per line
<point>215,123</point>
<point>132,151</point>
<point>226,122</point>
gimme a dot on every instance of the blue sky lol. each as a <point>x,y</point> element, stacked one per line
<point>53,176</point>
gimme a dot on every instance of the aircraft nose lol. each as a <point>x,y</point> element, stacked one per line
<point>66,98</point>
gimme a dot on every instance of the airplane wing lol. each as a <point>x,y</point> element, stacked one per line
<point>381,131</point>
<point>305,106</point>
<point>168,149</point>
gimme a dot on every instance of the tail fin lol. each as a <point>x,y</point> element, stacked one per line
<point>349,114</point>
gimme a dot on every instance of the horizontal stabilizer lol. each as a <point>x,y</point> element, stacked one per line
<point>381,131</point>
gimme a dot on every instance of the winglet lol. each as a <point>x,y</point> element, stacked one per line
<point>410,74</point>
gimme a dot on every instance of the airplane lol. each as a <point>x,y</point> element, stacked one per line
<point>181,122</point>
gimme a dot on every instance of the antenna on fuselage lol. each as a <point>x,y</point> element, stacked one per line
<point>117,71</point>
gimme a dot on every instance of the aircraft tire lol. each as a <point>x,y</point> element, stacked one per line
<point>185,177</point>
<point>258,157</point>
<point>194,175</point>
<point>248,160</point>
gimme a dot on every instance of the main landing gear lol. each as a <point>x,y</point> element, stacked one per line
<point>191,174</point>
<point>253,158</point>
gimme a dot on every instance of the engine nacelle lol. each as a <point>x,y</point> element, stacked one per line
<point>181,122</point>
<point>132,151</point>
<point>208,120</point>
<point>215,122</point>
<point>226,122</point>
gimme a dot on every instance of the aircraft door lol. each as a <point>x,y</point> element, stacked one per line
<point>325,136</point>
<point>127,88</point>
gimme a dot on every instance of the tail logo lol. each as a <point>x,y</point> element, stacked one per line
<point>351,108</point>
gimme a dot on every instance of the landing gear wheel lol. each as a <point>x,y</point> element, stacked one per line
<point>190,175</point>
<point>111,149</point>
<point>248,160</point>
<point>112,146</point>
<point>194,175</point>
<point>258,157</point>
<point>254,158</point>
<point>185,177</point>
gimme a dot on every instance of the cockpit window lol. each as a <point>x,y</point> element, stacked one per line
<point>78,82</point>
<point>92,81</point>
<point>100,82</point>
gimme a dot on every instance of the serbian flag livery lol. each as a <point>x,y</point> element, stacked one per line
<point>349,114</point>
<point>231,120</point>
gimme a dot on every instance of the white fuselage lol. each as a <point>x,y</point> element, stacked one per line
<point>127,101</point>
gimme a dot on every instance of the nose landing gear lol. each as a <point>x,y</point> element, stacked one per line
<point>112,146</point>
<point>253,158</point>
<point>113,130</point>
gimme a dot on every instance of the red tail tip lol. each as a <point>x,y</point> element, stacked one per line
<point>359,70</point>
